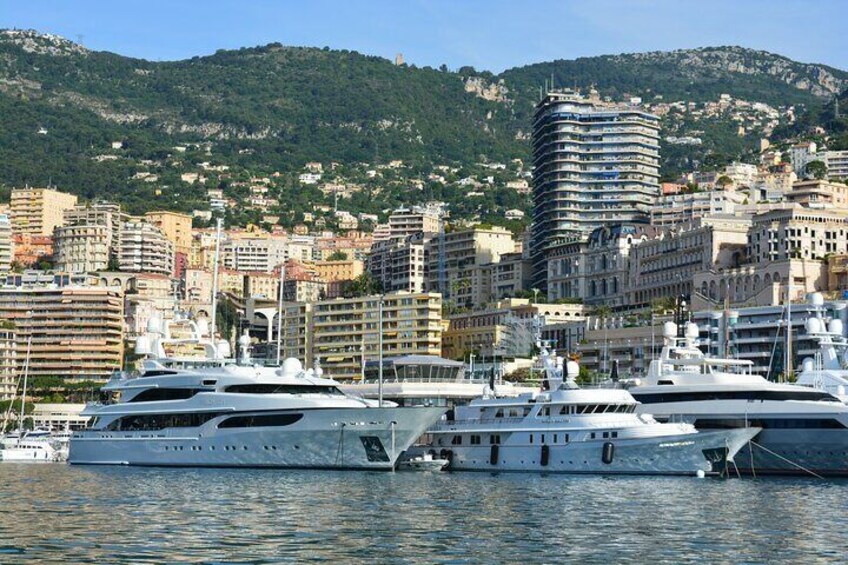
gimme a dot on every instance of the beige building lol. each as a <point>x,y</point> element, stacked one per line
<point>89,238</point>
<point>176,227</point>
<point>346,330</point>
<point>503,329</point>
<point>37,211</point>
<point>819,194</point>
<point>76,331</point>
<point>455,260</point>
<point>144,248</point>
<point>344,270</point>
<point>676,209</point>
<point>665,266</point>
<point>148,295</point>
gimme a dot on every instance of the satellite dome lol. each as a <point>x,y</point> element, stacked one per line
<point>291,367</point>
<point>813,325</point>
<point>816,298</point>
<point>669,329</point>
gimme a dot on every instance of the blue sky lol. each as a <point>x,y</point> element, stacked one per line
<point>491,35</point>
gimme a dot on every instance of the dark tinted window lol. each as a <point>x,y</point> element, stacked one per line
<point>771,423</point>
<point>149,422</point>
<point>260,420</point>
<point>283,389</point>
<point>651,398</point>
<point>154,394</point>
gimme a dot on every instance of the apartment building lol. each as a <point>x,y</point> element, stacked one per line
<point>399,263</point>
<point>144,248</point>
<point>837,164</point>
<point>665,266</point>
<point>8,363</point>
<point>346,330</point>
<point>455,263</point>
<point>593,163</point>
<point>76,331</point>
<point>175,226</point>
<point>502,329</point>
<point>254,254</point>
<point>89,238</point>
<point>7,244</point>
<point>405,222</point>
<point>341,270</point>
<point>38,211</point>
<point>677,209</point>
<point>818,194</point>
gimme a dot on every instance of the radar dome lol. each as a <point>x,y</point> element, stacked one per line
<point>816,298</point>
<point>813,325</point>
<point>572,369</point>
<point>142,345</point>
<point>203,326</point>
<point>291,367</point>
<point>835,327</point>
<point>154,324</point>
<point>692,330</point>
<point>669,329</point>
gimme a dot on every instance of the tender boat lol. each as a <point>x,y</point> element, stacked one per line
<point>31,451</point>
<point>213,411</point>
<point>804,431</point>
<point>566,429</point>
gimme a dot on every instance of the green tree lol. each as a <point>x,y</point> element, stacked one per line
<point>724,181</point>
<point>816,169</point>
<point>337,256</point>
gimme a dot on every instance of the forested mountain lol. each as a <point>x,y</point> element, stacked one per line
<point>273,108</point>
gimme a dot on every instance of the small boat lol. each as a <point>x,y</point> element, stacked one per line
<point>425,462</point>
<point>31,451</point>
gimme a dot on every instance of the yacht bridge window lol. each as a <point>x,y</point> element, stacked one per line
<point>656,398</point>
<point>271,388</point>
<point>157,394</point>
<point>260,420</point>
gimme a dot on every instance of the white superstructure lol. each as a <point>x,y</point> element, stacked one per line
<point>803,430</point>
<point>572,430</point>
<point>214,412</point>
<point>828,370</point>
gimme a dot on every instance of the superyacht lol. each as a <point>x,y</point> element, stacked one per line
<point>212,411</point>
<point>566,429</point>
<point>828,370</point>
<point>804,431</point>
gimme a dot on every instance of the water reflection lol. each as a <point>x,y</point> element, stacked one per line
<point>61,514</point>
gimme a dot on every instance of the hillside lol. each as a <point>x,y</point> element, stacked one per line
<point>274,108</point>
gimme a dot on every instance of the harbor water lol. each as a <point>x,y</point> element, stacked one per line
<point>64,514</point>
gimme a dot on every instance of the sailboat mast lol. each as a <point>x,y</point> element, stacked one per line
<point>280,313</point>
<point>23,394</point>
<point>788,361</point>
<point>215,279</point>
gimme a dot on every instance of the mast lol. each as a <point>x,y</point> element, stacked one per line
<point>380,352</point>
<point>213,327</point>
<point>787,364</point>
<point>280,313</point>
<point>23,394</point>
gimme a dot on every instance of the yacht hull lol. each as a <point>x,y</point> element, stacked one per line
<point>796,452</point>
<point>331,438</point>
<point>680,454</point>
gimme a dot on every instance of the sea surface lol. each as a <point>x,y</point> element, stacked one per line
<point>54,513</point>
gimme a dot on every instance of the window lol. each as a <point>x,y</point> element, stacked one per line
<point>255,421</point>
<point>284,389</point>
<point>149,422</point>
<point>457,440</point>
<point>475,440</point>
<point>495,439</point>
<point>531,438</point>
<point>158,394</point>
<point>734,395</point>
<point>614,434</point>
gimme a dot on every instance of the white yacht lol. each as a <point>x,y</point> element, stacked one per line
<point>566,429</point>
<point>828,370</point>
<point>31,451</point>
<point>803,430</point>
<point>214,412</point>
